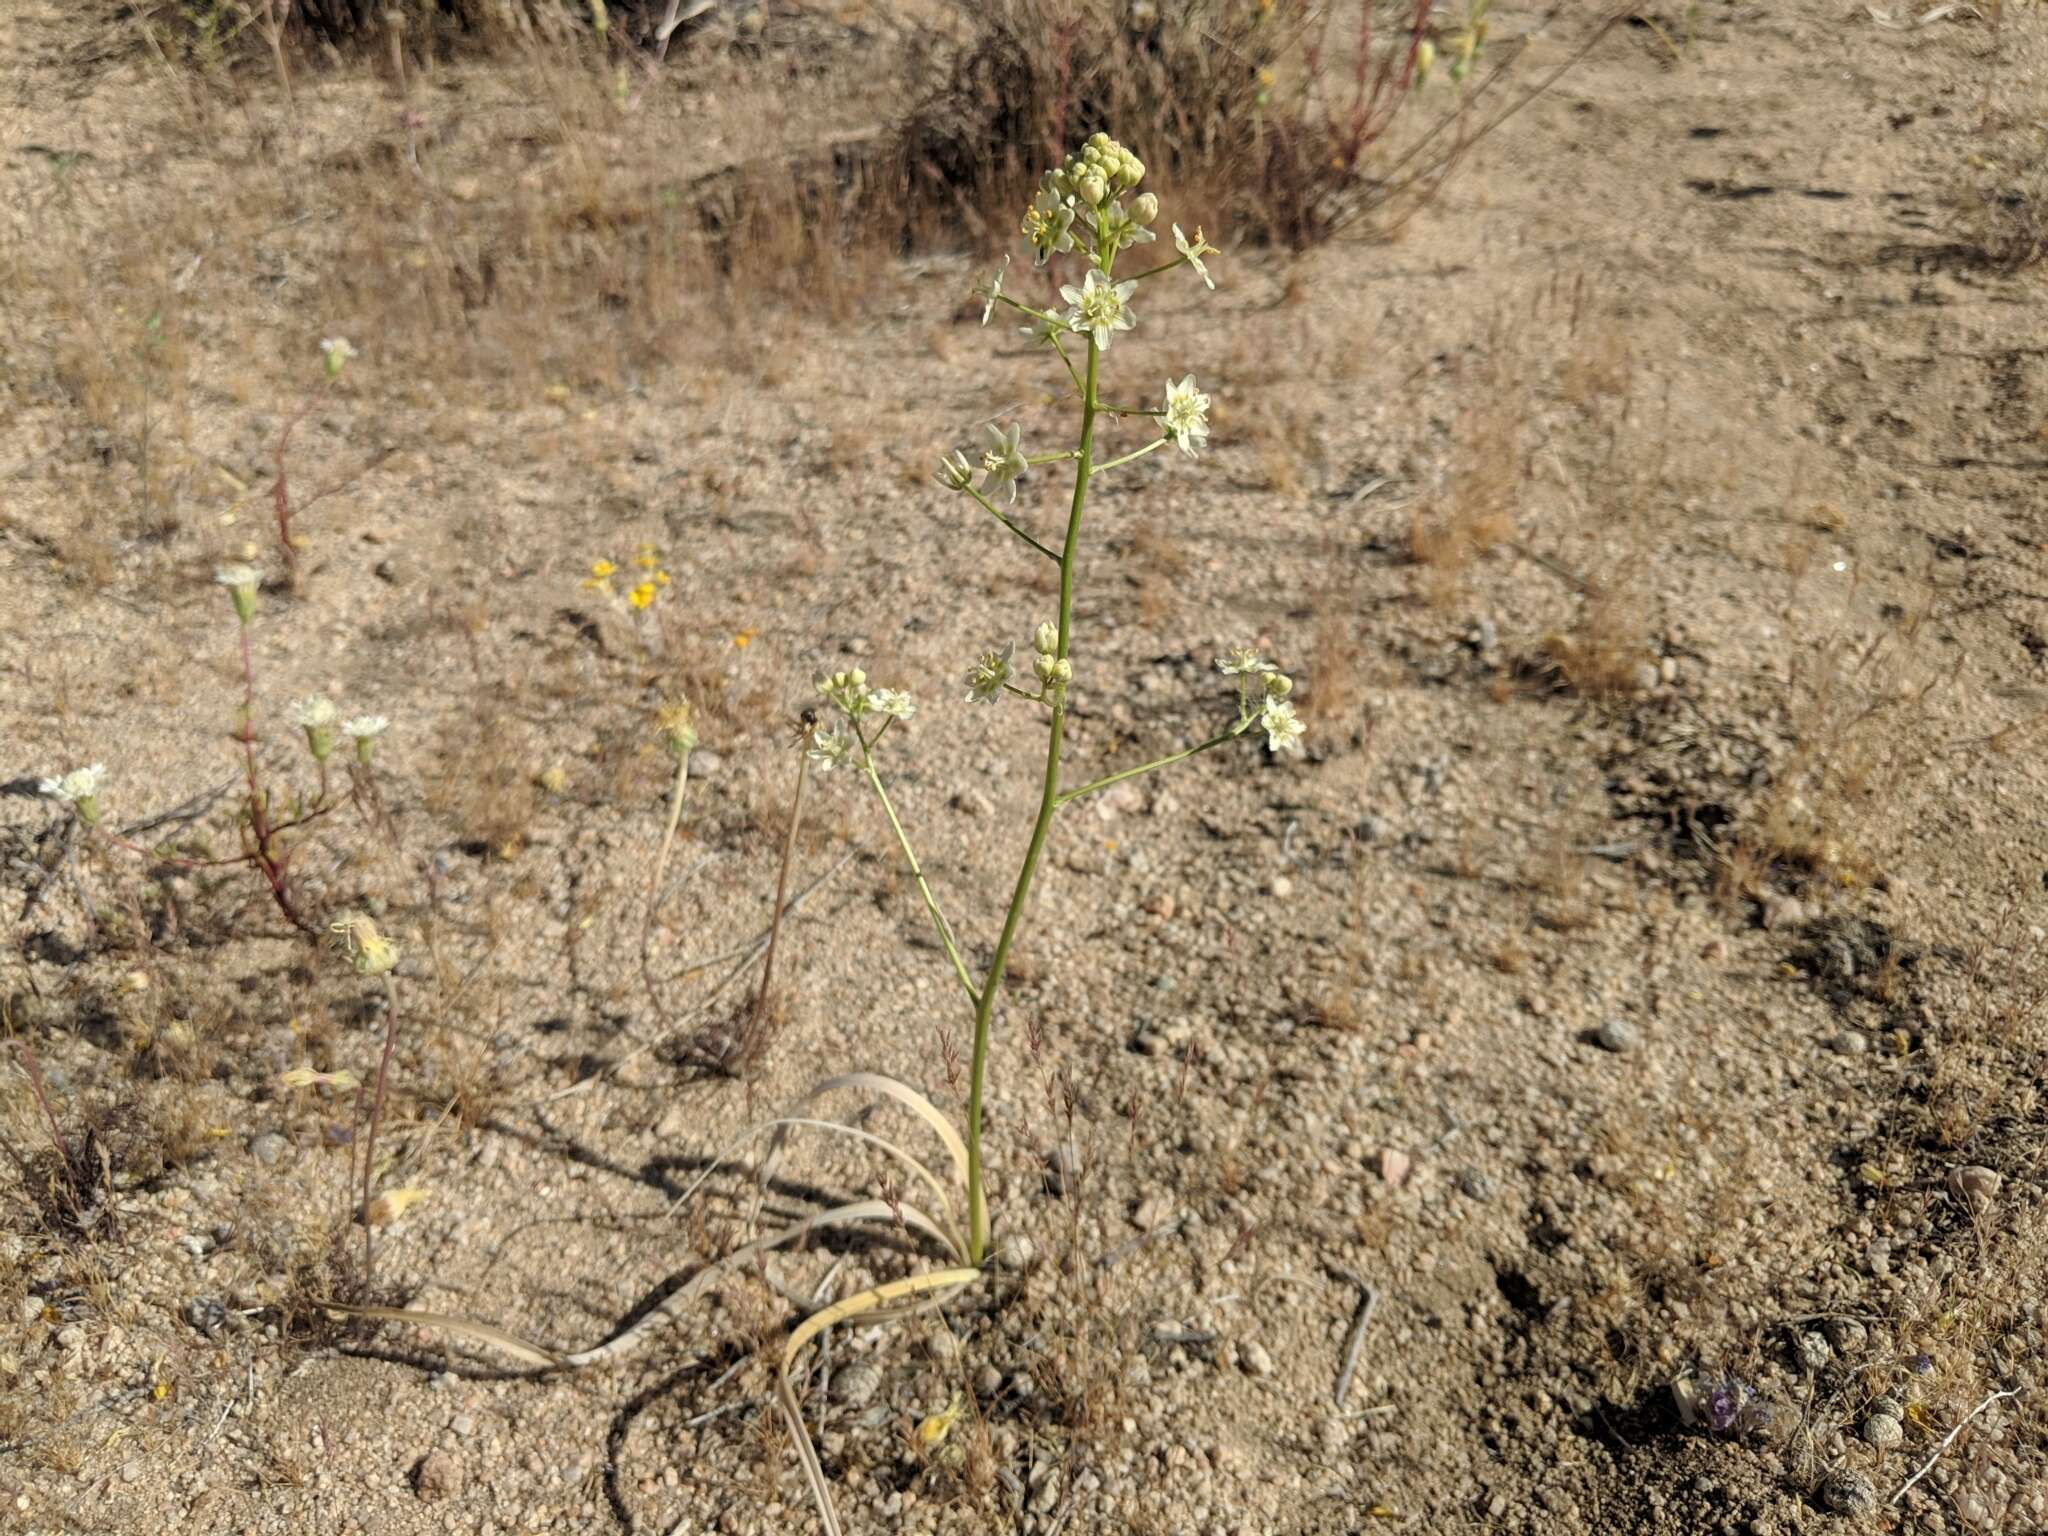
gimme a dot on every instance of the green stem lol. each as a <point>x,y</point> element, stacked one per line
<point>1050,458</point>
<point>931,902</point>
<point>1079,387</point>
<point>996,513</point>
<point>1130,410</point>
<point>1137,453</point>
<point>1131,773</point>
<point>1164,266</point>
<point>1048,803</point>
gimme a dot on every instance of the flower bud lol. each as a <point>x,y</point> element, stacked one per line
<point>1047,641</point>
<point>1145,208</point>
<point>1093,190</point>
<point>1044,665</point>
<point>1278,685</point>
<point>1425,58</point>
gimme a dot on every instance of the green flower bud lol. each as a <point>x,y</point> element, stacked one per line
<point>1093,190</point>
<point>1278,685</point>
<point>1047,641</point>
<point>1145,208</point>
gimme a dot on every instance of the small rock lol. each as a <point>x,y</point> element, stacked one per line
<point>942,1345</point>
<point>70,1336</point>
<point>704,763</point>
<point>1280,885</point>
<point>1847,1335</point>
<point>1617,1035</point>
<point>1255,1360</point>
<point>436,1476</point>
<point>1975,1187</point>
<point>856,1383</point>
<point>32,1309</point>
<point>1395,1166</point>
<point>1849,1492</point>
<point>1782,912</point>
<point>1475,1185</point>
<point>1015,1254</point>
<point>1883,1431</point>
<point>1849,1042</point>
<point>1152,1213</point>
<point>988,1381</point>
<point>206,1314</point>
<point>1814,1352</point>
<point>267,1148</point>
<point>386,570</point>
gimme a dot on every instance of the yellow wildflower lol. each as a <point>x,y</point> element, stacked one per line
<point>645,557</point>
<point>642,596</point>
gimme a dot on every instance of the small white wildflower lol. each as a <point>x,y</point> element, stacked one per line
<point>1003,465</point>
<point>357,937</point>
<point>986,678</point>
<point>1187,415</point>
<point>364,730</point>
<point>79,789</point>
<point>1049,222</point>
<point>994,291</point>
<point>243,583</point>
<point>1100,307</point>
<point>828,748</point>
<point>1194,250</point>
<point>335,352</point>
<point>893,702</point>
<point>1283,729</point>
<point>1242,661</point>
<point>316,717</point>
<point>955,473</point>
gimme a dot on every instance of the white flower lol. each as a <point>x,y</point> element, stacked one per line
<point>893,702</point>
<point>994,291</point>
<point>1242,661</point>
<point>1194,250</point>
<point>1187,414</point>
<point>1049,223</point>
<point>364,727</point>
<point>238,577</point>
<point>335,352</point>
<point>79,784</point>
<point>1100,307</point>
<point>985,679</point>
<point>828,748</point>
<point>1003,465</point>
<point>314,714</point>
<point>955,473</point>
<point>1283,730</point>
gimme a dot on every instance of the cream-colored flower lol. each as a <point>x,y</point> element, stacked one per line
<point>1242,661</point>
<point>987,677</point>
<point>847,691</point>
<point>317,717</point>
<point>1100,307</point>
<point>1049,223</point>
<point>1187,415</point>
<point>1004,464</point>
<point>1194,250</point>
<point>243,583</point>
<point>79,784</point>
<point>1282,727</point>
<point>335,353</point>
<point>676,724</point>
<point>373,954</point>
<point>828,748</point>
<point>364,730</point>
<point>955,473</point>
<point>893,702</point>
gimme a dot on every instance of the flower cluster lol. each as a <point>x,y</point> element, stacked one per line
<point>1262,691</point>
<point>849,693</point>
<point>644,588</point>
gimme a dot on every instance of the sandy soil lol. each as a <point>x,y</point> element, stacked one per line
<point>1650,932</point>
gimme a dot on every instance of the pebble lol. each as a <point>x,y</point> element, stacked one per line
<point>1883,1431</point>
<point>704,763</point>
<point>437,1476</point>
<point>1395,1166</point>
<point>1280,885</point>
<point>1015,1254</point>
<point>988,1381</point>
<point>1814,1352</point>
<point>1063,1168</point>
<point>1849,1492</point>
<point>1255,1360</point>
<point>1975,1186</point>
<point>856,1383</point>
<point>943,1345</point>
<point>1152,1213</point>
<point>1475,1184</point>
<point>267,1148</point>
<point>1617,1035</point>
<point>32,1309</point>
